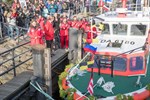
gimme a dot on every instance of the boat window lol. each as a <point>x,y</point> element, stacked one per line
<point>120,64</point>
<point>119,29</point>
<point>136,63</point>
<point>138,30</point>
<point>104,61</point>
<point>105,29</point>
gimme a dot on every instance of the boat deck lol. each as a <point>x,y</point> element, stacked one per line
<point>123,85</point>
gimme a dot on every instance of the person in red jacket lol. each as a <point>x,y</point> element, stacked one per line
<point>75,23</point>
<point>40,20</point>
<point>84,23</point>
<point>49,32</point>
<point>35,33</point>
<point>64,34</point>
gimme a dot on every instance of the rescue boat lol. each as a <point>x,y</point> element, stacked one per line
<point>119,59</point>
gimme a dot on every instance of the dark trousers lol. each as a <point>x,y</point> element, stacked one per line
<point>49,43</point>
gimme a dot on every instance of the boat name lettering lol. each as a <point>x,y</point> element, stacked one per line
<point>118,41</point>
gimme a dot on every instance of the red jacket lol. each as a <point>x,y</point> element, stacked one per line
<point>14,15</point>
<point>49,31</point>
<point>64,29</point>
<point>75,24</point>
<point>84,24</point>
<point>36,36</point>
<point>41,22</point>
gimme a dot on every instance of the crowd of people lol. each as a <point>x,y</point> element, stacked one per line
<point>21,14</point>
<point>46,21</point>
<point>54,26</point>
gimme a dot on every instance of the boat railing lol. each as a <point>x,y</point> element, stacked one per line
<point>10,59</point>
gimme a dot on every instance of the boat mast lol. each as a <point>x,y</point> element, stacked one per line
<point>124,3</point>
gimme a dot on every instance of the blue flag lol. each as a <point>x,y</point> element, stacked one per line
<point>91,48</point>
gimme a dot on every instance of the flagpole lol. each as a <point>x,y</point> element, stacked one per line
<point>93,86</point>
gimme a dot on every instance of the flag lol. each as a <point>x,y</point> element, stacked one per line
<point>90,48</point>
<point>102,4</point>
<point>90,86</point>
<point>106,8</point>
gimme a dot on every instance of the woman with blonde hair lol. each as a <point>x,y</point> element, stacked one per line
<point>35,33</point>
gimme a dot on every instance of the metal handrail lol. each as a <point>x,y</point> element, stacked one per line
<point>14,25</point>
<point>14,48</point>
<point>13,59</point>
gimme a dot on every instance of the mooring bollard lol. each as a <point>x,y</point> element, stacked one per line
<point>38,68</point>
<point>38,61</point>
<point>75,45</point>
<point>42,68</point>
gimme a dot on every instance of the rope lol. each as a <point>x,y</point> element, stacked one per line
<point>78,64</point>
<point>41,91</point>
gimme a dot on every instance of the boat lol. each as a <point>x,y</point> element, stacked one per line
<point>118,63</point>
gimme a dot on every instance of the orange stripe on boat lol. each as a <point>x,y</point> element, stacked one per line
<point>141,96</point>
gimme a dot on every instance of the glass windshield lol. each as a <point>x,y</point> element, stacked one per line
<point>138,30</point>
<point>119,29</point>
<point>120,64</point>
<point>104,28</point>
<point>104,61</point>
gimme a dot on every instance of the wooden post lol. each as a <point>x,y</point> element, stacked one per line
<point>80,44</point>
<point>38,61</point>
<point>73,45</point>
<point>38,67</point>
<point>48,74</point>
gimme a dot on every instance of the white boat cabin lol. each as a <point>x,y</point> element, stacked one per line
<point>131,31</point>
<point>124,31</point>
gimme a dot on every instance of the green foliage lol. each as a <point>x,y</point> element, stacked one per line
<point>60,84</point>
<point>121,97</point>
<point>70,97</point>
<point>62,75</point>
<point>148,87</point>
<point>130,98</point>
<point>70,91</point>
<point>69,66</point>
<point>62,93</point>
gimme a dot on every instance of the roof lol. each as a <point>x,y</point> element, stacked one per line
<point>130,17</point>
